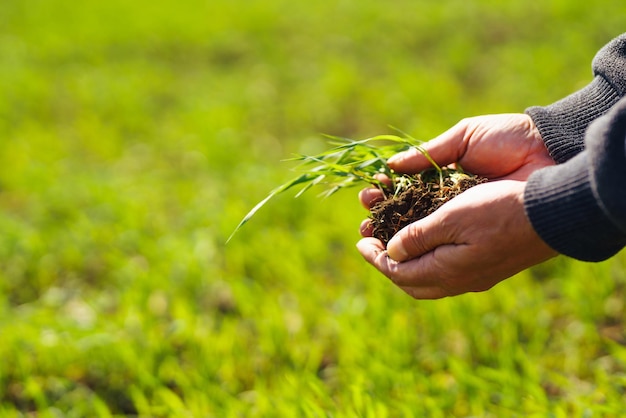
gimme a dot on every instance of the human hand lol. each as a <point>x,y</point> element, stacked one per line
<point>504,146</point>
<point>469,244</point>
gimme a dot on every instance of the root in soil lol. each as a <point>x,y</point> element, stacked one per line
<point>424,193</point>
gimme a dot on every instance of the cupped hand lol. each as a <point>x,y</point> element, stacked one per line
<point>469,244</point>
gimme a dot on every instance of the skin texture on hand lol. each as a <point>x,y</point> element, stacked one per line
<point>480,237</point>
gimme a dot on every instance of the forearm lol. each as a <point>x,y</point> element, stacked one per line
<point>562,125</point>
<point>579,207</point>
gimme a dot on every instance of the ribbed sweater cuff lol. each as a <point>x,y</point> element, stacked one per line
<point>562,208</point>
<point>562,125</point>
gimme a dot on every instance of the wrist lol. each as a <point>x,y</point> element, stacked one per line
<point>563,210</point>
<point>562,125</point>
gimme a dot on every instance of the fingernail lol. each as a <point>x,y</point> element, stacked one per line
<point>396,251</point>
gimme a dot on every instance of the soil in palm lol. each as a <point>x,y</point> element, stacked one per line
<point>424,193</point>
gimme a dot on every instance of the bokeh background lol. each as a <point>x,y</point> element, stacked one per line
<point>135,135</point>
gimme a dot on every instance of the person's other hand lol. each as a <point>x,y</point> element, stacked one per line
<point>469,244</point>
<point>505,146</point>
<point>502,146</point>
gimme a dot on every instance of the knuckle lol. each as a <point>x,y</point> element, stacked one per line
<point>415,239</point>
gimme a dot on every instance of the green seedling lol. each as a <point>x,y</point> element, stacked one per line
<point>348,163</point>
<point>357,163</point>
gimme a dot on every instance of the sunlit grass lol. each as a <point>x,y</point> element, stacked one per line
<point>135,136</point>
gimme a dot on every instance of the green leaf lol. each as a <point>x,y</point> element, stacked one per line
<point>299,180</point>
<point>345,164</point>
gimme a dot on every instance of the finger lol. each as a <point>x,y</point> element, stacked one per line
<point>384,179</point>
<point>370,196</point>
<point>372,250</point>
<point>420,237</point>
<point>435,275</point>
<point>366,228</point>
<point>432,292</point>
<point>419,275</point>
<point>445,149</point>
<point>374,253</point>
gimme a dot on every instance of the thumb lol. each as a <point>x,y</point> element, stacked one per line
<point>445,149</point>
<point>417,239</point>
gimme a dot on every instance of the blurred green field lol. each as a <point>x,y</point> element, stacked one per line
<point>135,135</point>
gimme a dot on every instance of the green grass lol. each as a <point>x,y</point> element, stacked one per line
<point>135,135</point>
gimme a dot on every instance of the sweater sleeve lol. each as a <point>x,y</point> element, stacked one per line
<point>562,125</point>
<point>579,207</point>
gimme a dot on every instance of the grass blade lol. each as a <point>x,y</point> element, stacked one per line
<point>346,164</point>
<point>284,187</point>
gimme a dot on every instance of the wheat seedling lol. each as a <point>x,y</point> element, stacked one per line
<point>356,163</point>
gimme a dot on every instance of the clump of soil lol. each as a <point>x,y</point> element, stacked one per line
<point>423,194</point>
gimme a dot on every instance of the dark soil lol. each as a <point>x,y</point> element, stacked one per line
<point>422,197</point>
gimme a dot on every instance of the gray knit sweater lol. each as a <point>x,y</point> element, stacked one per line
<point>578,207</point>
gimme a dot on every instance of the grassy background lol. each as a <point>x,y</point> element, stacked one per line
<point>135,135</point>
